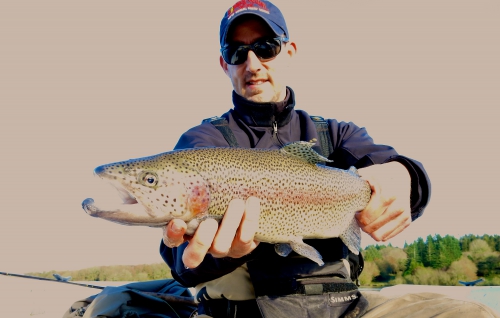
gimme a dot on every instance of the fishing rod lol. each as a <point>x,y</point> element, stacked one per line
<point>166,297</point>
<point>51,280</point>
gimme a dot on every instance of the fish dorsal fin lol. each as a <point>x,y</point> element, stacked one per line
<point>304,151</point>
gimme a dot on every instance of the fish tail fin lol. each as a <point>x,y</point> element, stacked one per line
<point>352,237</point>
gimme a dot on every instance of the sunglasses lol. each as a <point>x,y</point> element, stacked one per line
<point>265,49</point>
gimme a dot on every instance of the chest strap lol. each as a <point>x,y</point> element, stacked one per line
<point>223,126</point>
<point>325,142</point>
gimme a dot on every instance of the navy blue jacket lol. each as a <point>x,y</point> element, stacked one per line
<point>253,126</point>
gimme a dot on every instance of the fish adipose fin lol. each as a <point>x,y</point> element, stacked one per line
<point>303,249</point>
<point>352,237</point>
<point>303,150</point>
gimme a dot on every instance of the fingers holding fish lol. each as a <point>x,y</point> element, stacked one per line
<point>388,212</point>
<point>393,219</point>
<point>228,228</point>
<point>396,226</point>
<point>250,221</point>
<point>200,243</point>
<point>232,238</point>
<point>244,242</point>
<point>173,233</point>
<point>237,230</point>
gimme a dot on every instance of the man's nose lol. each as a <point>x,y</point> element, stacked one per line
<point>253,63</point>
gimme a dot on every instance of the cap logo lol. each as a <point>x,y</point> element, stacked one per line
<point>243,5</point>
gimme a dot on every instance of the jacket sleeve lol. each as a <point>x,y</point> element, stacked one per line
<point>354,147</point>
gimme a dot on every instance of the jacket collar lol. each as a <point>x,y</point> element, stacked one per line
<point>265,114</point>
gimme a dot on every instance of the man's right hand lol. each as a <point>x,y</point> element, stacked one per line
<point>234,237</point>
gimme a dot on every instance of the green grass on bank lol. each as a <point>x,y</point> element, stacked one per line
<point>114,273</point>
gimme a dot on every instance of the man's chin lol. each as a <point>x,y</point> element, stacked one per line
<point>258,99</point>
<point>262,98</point>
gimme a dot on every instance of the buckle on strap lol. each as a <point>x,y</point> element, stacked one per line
<point>318,288</point>
<point>308,286</point>
<point>313,289</point>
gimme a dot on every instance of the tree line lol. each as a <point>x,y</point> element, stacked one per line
<point>436,261</point>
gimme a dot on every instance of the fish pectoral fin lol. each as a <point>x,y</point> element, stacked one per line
<point>352,237</point>
<point>306,250</point>
<point>283,249</point>
<point>303,150</point>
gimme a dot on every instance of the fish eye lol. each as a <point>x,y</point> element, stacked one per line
<point>148,178</point>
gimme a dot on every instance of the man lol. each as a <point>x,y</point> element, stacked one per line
<point>231,272</point>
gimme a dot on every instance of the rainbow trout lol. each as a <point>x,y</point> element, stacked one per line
<point>300,198</point>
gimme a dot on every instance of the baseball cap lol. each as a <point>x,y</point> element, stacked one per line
<point>261,8</point>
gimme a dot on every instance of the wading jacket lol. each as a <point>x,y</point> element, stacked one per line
<point>257,125</point>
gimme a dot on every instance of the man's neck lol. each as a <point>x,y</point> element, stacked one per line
<point>280,106</point>
<point>265,114</point>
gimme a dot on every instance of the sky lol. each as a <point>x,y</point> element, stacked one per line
<point>91,82</point>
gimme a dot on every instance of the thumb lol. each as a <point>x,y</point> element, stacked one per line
<point>173,233</point>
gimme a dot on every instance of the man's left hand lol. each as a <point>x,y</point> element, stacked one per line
<point>388,212</point>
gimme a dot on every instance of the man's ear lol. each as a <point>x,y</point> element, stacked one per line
<point>291,48</point>
<point>223,64</point>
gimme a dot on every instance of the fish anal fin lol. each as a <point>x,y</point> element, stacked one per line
<point>306,250</point>
<point>303,150</point>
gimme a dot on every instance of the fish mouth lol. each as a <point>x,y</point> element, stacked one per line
<point>126,197</point>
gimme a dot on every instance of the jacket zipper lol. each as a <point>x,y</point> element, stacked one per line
<point>276,138</point>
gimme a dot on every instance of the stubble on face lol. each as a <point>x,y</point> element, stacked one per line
<point>255,80</point>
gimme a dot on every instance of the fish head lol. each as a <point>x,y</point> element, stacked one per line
<point>167,187</point>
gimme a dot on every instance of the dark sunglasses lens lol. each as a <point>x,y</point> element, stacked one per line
<point>268,49</point>
<point>235,55</point>
<point>265,50</point>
